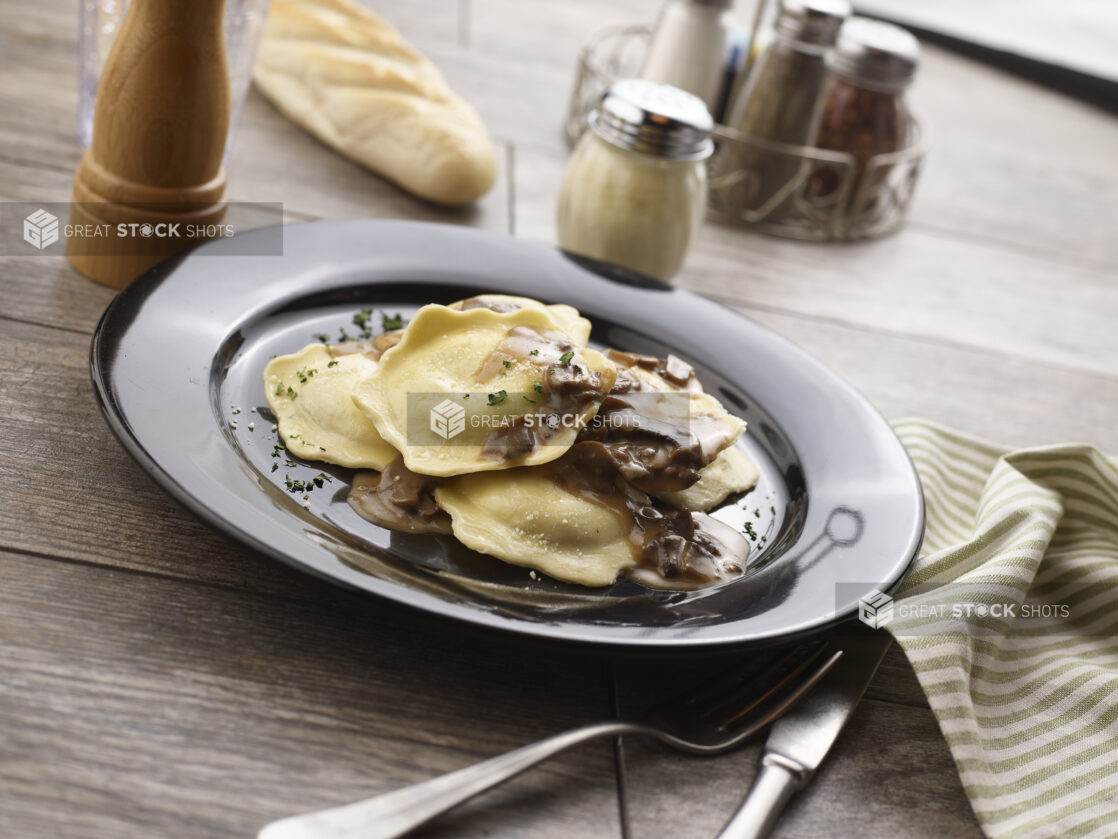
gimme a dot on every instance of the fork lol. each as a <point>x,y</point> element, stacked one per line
<point>720,715</point>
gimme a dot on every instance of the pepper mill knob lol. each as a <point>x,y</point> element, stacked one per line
<point>159,130</point>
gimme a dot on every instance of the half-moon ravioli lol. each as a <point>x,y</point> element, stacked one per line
<point>566,317</point>
<point>523,517</point>
<point>309,393</point>
<point>729,473</point>
<point>479,390</point>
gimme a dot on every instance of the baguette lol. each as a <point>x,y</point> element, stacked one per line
<point>345,75</point>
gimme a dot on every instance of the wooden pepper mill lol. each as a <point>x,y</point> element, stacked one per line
<point>159,129</point>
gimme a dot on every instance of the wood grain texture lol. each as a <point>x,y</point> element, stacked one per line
<point>921,283</point>
<point>134,706</point>
<point>890,774</point>
<point>157,679</point>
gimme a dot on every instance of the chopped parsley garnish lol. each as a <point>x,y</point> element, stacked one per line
<point>498,397</point>
<point>305,374</point>
<point>361,320</point>
<point>279,389</point>
<point>527,398</point>
<point>333,363</point>
<point>577,369</point>
<point>749,531</point>
<point>566,357</point>
<point>275,466</point>
<point>507,363</point>
<point>534,352</point>
<point>307,486</point>
<point>537,387</point>
<point>323,337</point>
<point>387,323</point>
<point>772,510</point>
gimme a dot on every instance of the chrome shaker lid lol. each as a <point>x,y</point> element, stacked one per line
<point>876,52</point>
<point>812,21</point>
<point>653,118</point>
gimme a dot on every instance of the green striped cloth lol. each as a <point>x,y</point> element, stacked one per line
<point>1009,619</point>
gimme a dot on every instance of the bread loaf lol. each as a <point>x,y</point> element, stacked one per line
<point>345,75</point>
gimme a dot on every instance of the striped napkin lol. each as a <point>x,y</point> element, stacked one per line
<point>1009,619</point>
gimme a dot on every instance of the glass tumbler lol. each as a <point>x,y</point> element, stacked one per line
<point>101,20</point>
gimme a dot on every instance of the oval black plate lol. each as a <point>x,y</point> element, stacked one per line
<point>838,512</point>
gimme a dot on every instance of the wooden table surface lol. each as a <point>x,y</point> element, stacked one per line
<point>160,680</point>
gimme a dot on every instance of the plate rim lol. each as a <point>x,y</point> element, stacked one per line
<point>152,279</point>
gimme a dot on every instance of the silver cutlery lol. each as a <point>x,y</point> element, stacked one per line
<point>800,740</point>
<point>722,714</point>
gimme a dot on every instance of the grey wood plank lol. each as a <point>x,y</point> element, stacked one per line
<point>919,283</point>
<point>136,707</point>
<point>1015,163</point>
<point>997,397</point>
<point>890,774</point>
<point>70,490</point>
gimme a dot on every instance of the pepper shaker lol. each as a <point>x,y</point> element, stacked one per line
<point>161,119</point>
<point>780,104</point>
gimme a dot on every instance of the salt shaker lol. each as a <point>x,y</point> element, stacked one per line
<point>635,189</point>
<point>690,47</point>
<point>780,103</point>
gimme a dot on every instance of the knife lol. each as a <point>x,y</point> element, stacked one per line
<point>800,739</point>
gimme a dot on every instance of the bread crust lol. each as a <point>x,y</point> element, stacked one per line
<point>345,75</point>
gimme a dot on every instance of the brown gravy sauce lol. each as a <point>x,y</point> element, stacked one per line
<point>483,302</point>
<point>654,448</point>
<point>399,499</point>
<point>567,385</point>
<point>373,347</point>
<point>631,450</point>
<point>672,548</point>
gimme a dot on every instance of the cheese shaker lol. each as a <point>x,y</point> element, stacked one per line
<point>635,190</point>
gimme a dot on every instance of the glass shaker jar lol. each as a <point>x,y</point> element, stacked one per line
<point>635,189</point>
<point>692,48</point>
<point>780,103</point>
<point>865,113</point>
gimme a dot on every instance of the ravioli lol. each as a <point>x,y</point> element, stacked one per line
<point>729,473</point>
<point>576,520</point>
<point>309,393</point>
<point>566,317</point>
<point>521,516</point>
<point>493,379</point>
<point>492,419</point>
<point>660,433</point>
